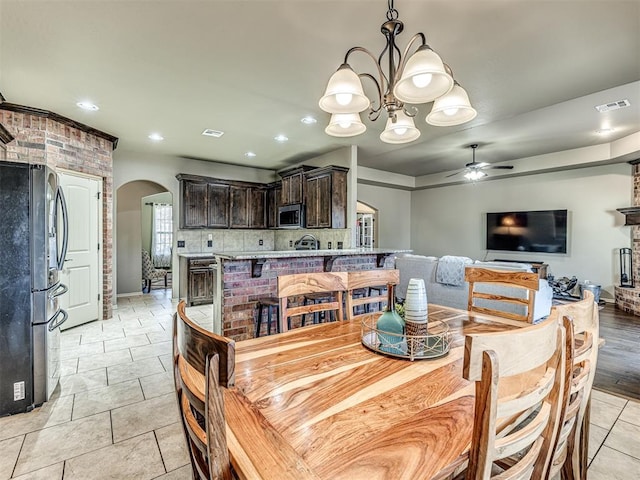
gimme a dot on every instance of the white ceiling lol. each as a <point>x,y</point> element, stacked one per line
<point>534,70</point>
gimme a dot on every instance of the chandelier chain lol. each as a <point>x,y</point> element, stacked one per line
<point>392,13</point>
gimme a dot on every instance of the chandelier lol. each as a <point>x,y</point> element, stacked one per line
<point>420,78</point>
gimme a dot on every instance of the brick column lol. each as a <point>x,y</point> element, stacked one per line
<point>43,137</point>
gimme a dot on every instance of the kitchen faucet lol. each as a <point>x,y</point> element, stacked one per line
<point>308,236</point>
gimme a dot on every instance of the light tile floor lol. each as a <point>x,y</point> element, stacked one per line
<point>104,423</point>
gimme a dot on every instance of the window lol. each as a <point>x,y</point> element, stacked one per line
<point>162,236</point>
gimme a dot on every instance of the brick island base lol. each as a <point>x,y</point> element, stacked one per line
<point>238,284</point>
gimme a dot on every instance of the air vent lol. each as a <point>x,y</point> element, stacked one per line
<point>607,107</point>
<point>212,133</point>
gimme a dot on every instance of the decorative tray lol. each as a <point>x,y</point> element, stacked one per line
<point>435,343</point>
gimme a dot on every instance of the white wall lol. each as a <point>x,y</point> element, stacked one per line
<point>394,214</point>
<point>451,220</point>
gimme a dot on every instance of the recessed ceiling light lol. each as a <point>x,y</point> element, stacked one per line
<point>308,120</point>
<point>281,138</point>
<point>156,137</point>
<point>209,132</point>
<point>92,107</point>
<point>249,154</point>
<point>605,131</point>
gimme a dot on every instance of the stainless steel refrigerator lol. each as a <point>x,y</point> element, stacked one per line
<point>33,243</point>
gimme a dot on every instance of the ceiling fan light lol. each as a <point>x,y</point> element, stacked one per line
<point>345,125</point>
<point>474,175</point>
<point>403,130</point>
<point>424,78</point>
<point>451,109</point>
<point>344,93</point>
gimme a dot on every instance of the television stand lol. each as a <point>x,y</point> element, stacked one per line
<point>537,266</point>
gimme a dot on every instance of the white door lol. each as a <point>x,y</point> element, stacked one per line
<point>82,267</point>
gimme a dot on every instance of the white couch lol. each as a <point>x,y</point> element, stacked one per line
<point>420,266</point>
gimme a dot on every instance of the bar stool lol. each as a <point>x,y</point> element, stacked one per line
<point>271,304</point>
<point>313,299</point>
<point>379,290</point>
<point>361,293</point>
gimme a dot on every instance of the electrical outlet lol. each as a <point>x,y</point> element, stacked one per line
<point>329,245</point>
<point>210,237</point>
<point>18,391</point>
<point>260,242</point>
<point>340,245</point>
<point>291,243</point>
<point>209,243</point>
<point>180,243</point>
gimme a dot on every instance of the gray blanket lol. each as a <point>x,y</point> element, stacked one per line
<point>450,270</point>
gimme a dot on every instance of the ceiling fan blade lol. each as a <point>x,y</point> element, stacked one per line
<point>501,167</point>
<point>454,174</point>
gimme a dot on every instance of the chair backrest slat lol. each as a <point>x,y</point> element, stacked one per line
<point>528,282</point>
<point>219,464</point>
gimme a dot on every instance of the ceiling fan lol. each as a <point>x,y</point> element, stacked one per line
<point>474,170</point>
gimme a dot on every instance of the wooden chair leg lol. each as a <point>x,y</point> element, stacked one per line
<point>165,280</point>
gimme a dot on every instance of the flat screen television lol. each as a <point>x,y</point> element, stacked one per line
<point>533,231</point>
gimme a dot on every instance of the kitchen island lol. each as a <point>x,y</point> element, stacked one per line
<point>241,278</point>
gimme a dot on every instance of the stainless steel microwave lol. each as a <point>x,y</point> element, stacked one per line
<point>291,216</point>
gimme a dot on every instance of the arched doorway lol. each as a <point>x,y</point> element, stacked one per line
<point>134,230</point>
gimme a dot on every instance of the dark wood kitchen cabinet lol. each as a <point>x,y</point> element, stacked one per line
<point>274,196</point>
<point>257,208</point>
<point>194,205</point>
<point>196,280</point>
<point>204,204</point>
<point>218,205</point>
<point>248,207</point>
<point>293,183</point>
<point>326,197</point>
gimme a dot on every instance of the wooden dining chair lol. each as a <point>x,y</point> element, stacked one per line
<point>300,284</point>
<point>196,353</point>
<point>482,301</point>
<point>531,358</point>
<point>366,279</point>
<point>581,321</point>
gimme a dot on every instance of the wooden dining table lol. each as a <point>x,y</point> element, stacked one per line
<point>315,403</point>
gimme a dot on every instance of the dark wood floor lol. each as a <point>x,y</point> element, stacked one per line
<point>618,369</point>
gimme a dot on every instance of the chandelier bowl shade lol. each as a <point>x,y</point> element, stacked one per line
<point>345,125</point>
<point>424,78</point>
<point>344,93</point>
<point>451,109</point>
<point>403,130</point>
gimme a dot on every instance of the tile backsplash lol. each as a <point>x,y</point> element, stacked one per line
<point>205,241</point>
